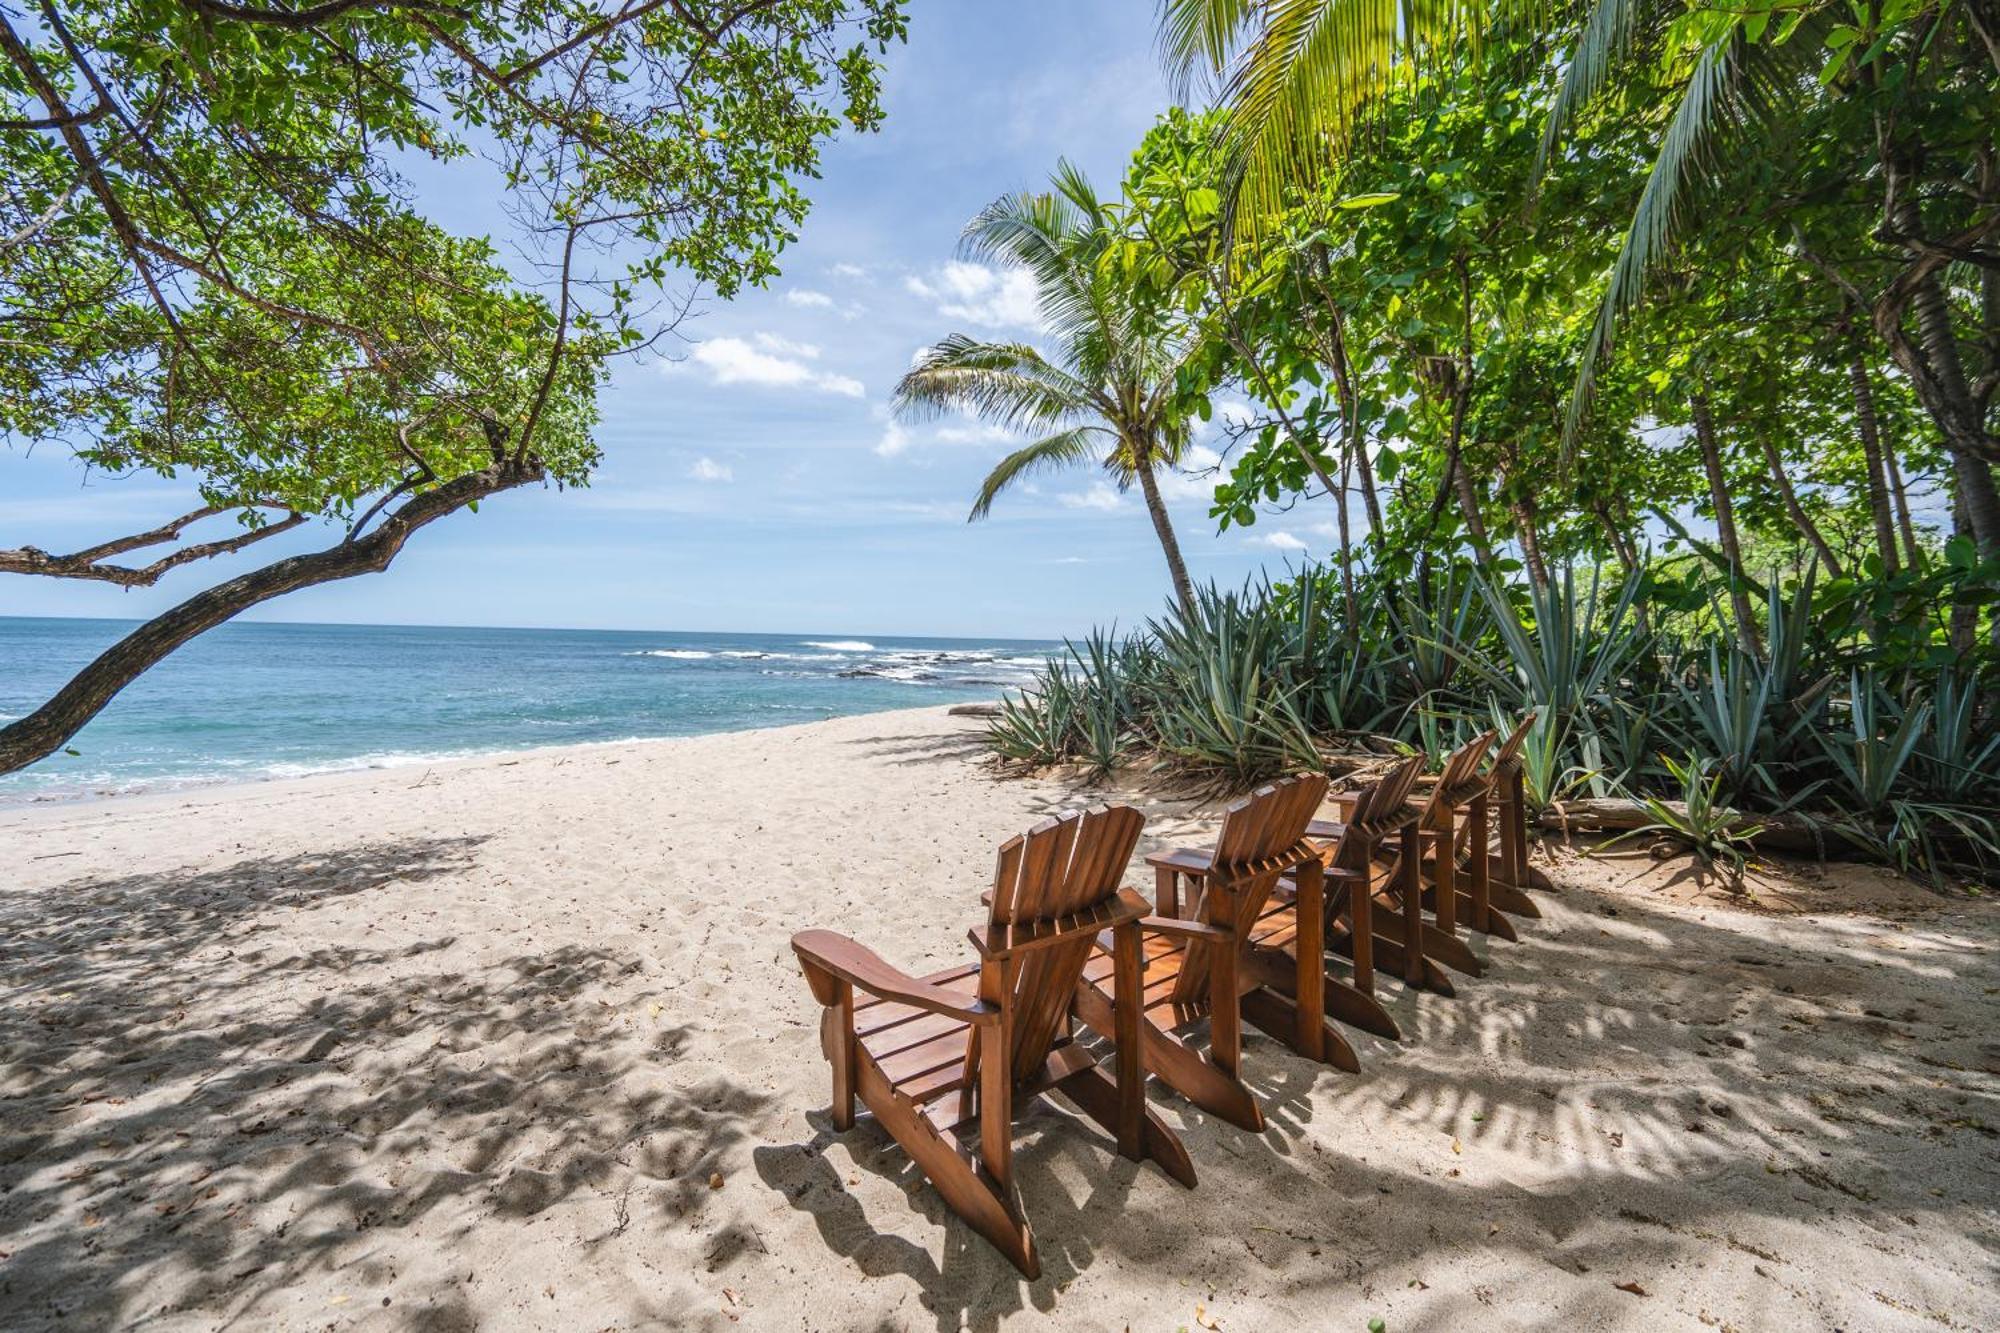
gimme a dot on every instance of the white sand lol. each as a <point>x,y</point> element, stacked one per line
<point>518,1043</point>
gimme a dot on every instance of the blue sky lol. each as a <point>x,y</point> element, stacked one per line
<point>757,483</point>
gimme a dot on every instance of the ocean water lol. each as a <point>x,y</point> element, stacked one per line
<point>253,701</point>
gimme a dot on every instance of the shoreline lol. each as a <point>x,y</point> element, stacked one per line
<point>169,788</point>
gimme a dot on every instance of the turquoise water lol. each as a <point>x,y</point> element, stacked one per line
<point>250,701</point>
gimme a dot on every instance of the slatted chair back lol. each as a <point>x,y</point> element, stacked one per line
<point>1509,752</point>
<point>1263,836</point>
<point>1455,783</point>
<point>1377,811</point>
<point>1053,891</point>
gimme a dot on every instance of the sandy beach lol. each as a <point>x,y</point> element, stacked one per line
<point>518,1043</point>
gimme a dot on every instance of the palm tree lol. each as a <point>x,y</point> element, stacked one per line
<point>1105,392</point>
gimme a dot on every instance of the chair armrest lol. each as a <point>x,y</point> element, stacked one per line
<point>1325,828</point>
<point>1193,861</point>
<point>835,955</point>
<point>1187,930</point>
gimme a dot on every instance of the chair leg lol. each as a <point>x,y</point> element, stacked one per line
<point>1412,889</point>
<point>968,1191</point>
<point>1288,1021</point>
<point>1095,1096</point>
<point>1310,915</point>
<point>1361,917</point>
<point>1225,1020</point>
<point>1445,876</point>
<point>837,1037</point>
<point>1278,971</point>
<point>1481,887</point>
<point>1128,999</point>
<point>1175,1063</point>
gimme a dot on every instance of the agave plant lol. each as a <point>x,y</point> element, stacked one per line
<point>1951,760</point>
<point>1547,776</point>
<point>1038,727</point>
<point>1564,656</point>
<point>1224,708</point>
<point>1716,833</point>
<point>1103,713</point>
<point>1871,754</point>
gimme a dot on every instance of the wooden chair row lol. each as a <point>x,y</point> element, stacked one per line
<point>1248,930</point>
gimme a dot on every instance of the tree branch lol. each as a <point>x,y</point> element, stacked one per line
<point>87,563</point>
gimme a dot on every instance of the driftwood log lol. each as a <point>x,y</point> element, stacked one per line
<point>1783,833</point>
<point>973,710</point>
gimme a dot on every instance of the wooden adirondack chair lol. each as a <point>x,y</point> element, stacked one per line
<point>1403,931</point>
<point>1199,962</point>
<point>976,1045</point>
<point>1474,844</point>
<point>1508,866</point>
<point>1380,818</point>
<point>1493,878</point>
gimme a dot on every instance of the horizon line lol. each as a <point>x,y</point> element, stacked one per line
<point>553,629</point>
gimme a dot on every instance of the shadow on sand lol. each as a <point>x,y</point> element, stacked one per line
<point>163,1096</point>
<point>1641,1085</point>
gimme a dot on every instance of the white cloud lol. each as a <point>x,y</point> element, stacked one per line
<point>1235,412</point>
<point>849,271</point>
<point>988,297</point>
<point>771,362</point>
<point>976,432</point>
<point>781,346</point>
<point>1102,495</point>
<point>804,296</point>
<point>1196,477</point>
<point>895,439</point>
<point>1279,541</point>
<point>707,469</point>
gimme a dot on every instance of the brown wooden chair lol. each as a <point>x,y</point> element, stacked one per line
<point>1493,875</point>
<point>976,1045</point>
<point>1380,819</point>
<point>1403,929</point>
<point>1199,961</point>
<point>1507,863</point>
<point>1473,847</point>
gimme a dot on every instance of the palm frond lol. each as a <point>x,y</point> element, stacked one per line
<point>1605,41</point>
<point>1063,449</point>
<point>1054,235</point>
<point>1011,385</point>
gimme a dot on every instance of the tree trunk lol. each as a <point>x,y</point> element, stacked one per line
<point>1531,542</point>
<point>1981,501</point>
<point>1869,426</point>
<point>1371,502</point>
<point>1346,540</point>
<point>1725,524</point>
<point>1156,508</point>
<point>1899,499</point>
<point>48,728</point>
<point>1789,494</point>
<point>1937,373</point>
<point>1963,630</point>
<point>1468,505</point>
<point>1334,350</point>
<point>1621,543</point>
